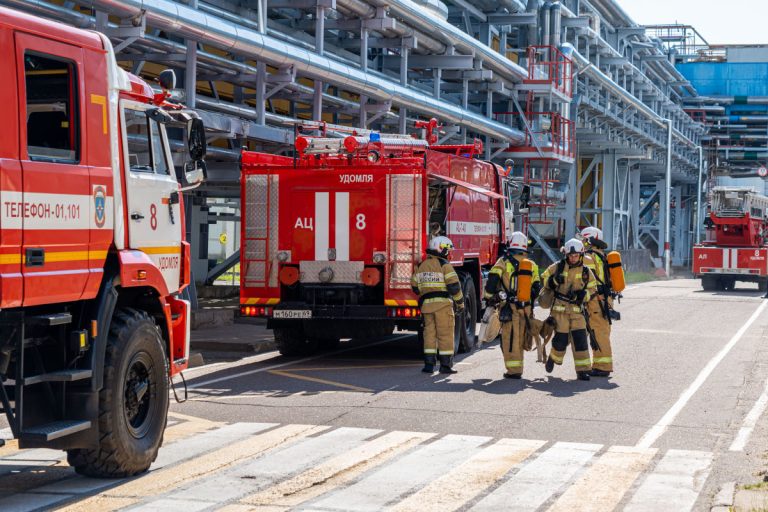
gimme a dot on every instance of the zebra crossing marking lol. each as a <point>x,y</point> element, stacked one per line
<point>476,475</point>
<point>337,471</point>
<point>619,465</point>
<point>270,468</point>
<point>538,480</point>
<point>417,468</point>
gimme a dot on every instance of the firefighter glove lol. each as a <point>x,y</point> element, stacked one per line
<point>492,301</point>
<point>579,296</point>
<point>458,306</point>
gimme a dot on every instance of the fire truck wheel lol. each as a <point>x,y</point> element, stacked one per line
<point>291,341</point>
<point>133,404</point>
<point>727,284</point>
<point>464,335</point>
<point>762,285</point>
<point>709,283</point>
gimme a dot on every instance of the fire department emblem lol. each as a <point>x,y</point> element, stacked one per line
<point>99,205</point>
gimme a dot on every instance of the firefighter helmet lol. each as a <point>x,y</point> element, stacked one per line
<point>593,237</point>
<point>517,242</point>
<point>440,245</point>
<point>573,246</point>
<point>591,232</point>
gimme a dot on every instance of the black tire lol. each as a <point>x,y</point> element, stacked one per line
<point>464,339</point>
<point>133,403</point>
<point>292,342</point>
<point>727,284</point>
<point>709,283</point>
<point>762,285</point>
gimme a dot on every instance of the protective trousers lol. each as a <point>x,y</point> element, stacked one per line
<point>602,359</point>
<point>569,322</point>
<point>438,336</point>
<point>512,337</point>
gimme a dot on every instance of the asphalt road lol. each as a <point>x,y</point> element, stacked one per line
<point>669,333</point>
<point>678,421</point>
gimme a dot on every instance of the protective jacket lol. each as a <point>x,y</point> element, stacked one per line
<point>437,284</point>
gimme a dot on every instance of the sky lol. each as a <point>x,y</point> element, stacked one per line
<point>720,22</point>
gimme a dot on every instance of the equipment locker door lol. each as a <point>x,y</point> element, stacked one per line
<point>54,207</point>
<point>154,220</point>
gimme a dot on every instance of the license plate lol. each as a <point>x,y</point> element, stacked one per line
<point>292,313</point>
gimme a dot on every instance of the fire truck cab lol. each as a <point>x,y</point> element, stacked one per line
<point>92,250</point>
<point>331,236</point>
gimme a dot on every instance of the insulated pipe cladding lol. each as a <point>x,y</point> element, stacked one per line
<point>195,25</point>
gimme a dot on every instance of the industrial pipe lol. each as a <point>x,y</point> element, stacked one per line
<point>667,200</point>
<point>589,69</point>
<point>192,24</point>
<point>698,195</point>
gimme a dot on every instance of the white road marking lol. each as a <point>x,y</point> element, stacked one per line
<point>674,484</point>
<point>750,421</point>
<point>267,470</point>
<point>655,432</point>
<point>412,471</point>
<point>538,480</point>
<point>204,383</point>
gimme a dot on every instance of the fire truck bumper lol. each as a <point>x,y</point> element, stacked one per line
<point>288,314</point>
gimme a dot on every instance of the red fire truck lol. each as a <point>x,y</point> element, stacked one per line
<point>330,237</point>
<point>736,248</point>
<point>92,250</point>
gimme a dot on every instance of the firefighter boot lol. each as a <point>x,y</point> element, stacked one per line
<point>549,365</point>
<point>582,375</point>
<point>513,376</point>
<point>429,364</point>
<point>599,373</point>
<point>446,365</point>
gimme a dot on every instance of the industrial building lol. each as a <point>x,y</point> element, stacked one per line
<point>610,123</point>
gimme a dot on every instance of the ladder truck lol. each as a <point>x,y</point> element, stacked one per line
<point>92,252</point>
<point>331,235</point>
<point>736,248</point>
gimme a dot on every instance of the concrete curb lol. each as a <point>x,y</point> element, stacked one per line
<point>212,317</point>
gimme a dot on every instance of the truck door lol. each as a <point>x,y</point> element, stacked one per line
<point>154,221</point>
<point>54,206</point>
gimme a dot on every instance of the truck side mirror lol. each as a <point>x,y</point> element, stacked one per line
<point>195,171</point>
<point>167,79</point>
<point>196,139</point>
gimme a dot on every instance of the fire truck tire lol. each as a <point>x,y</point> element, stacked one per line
<point>133,403</point>
<point>709,283</point>
<point>762,285</point>
<point>291,342</point>
<point>727,284</point>
<point>464,335</point>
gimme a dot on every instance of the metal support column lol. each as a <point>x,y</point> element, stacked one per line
<point>190,72</point>
<point>317,100</point>
<point>667,199</point>
<point>608,200</point>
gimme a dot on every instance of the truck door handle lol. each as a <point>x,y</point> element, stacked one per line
<point>136,216</point>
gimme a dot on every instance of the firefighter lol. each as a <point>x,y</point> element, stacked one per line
<point>439,290</point>
<point>572,283</point>
<point>501,288</point>
<point>599,306</point>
